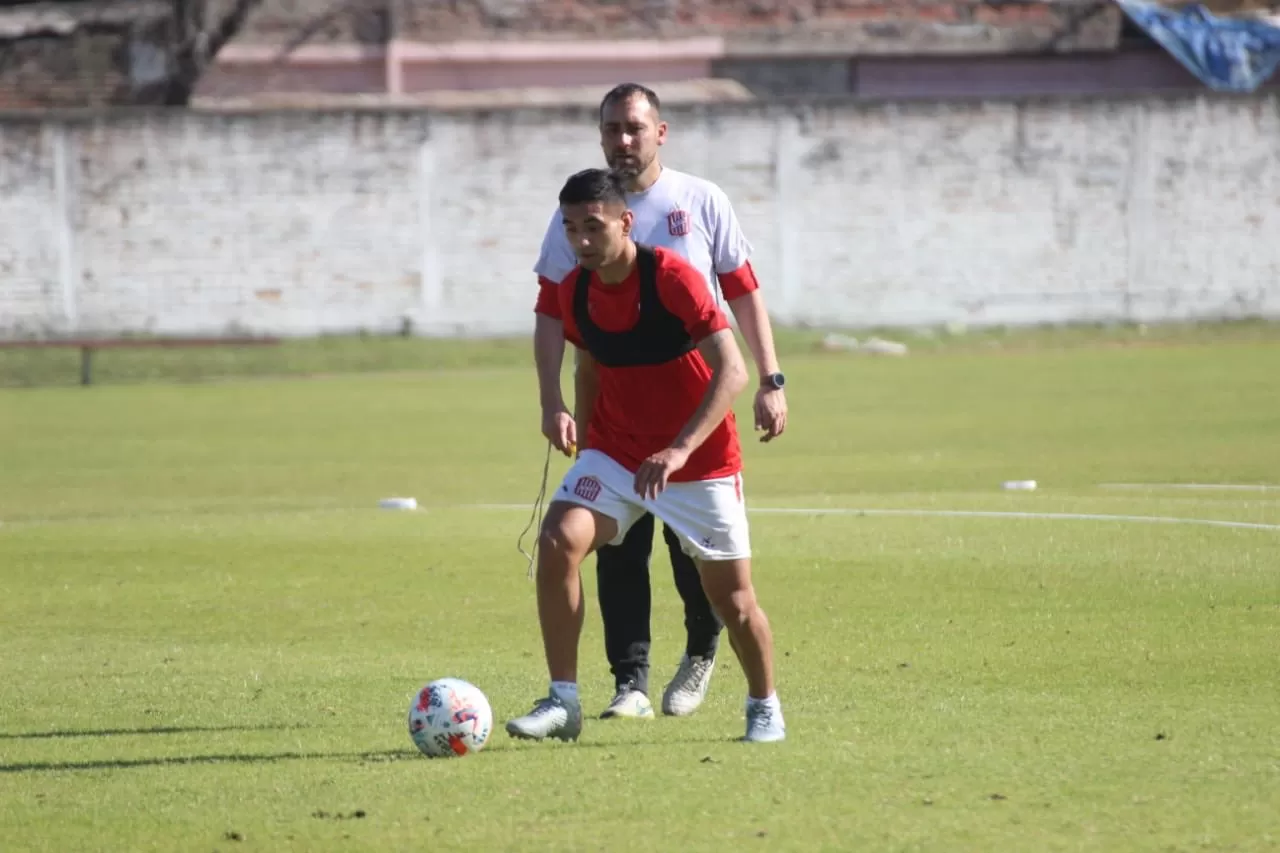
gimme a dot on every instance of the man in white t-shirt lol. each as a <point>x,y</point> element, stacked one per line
<point>691,216</point>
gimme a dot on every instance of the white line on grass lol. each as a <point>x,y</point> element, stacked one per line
<point>964,513</point>
<point>1206,487</point>
<point>845,511</point>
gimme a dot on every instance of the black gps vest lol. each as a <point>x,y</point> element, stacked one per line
<point>658,336</point>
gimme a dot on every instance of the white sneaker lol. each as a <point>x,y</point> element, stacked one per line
<point>764,724</point>
<point>550,717</point>
<point>628,703</point>
<point>688,686</point>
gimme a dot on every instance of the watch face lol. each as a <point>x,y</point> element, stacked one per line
<point>777,380</point>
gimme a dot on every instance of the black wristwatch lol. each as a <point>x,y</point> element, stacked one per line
<point>773,380</point>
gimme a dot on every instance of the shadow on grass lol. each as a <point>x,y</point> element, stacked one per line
<point>518,745</point>
<point>147,730</point>
<point>504,747</point>
<point>190,760</point>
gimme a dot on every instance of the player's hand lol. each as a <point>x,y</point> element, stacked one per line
<point>771,412</point>
<point>654,472</point>
<point>561,430</point>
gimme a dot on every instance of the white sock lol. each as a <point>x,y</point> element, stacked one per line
<point>565,691</point>
<point>770,701</point>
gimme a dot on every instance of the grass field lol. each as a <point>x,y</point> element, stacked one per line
<point>211,634</point>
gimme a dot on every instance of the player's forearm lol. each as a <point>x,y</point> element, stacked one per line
<point>725,385</point>
<point>753,319</point>
<point>728,378</point>
<point>548,356</point>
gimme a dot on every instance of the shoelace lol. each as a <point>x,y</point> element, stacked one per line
<point>761,715</point>
<point>535,518</point>
<point>692,670</point>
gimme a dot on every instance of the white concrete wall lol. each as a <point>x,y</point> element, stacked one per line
<point>860,215</point>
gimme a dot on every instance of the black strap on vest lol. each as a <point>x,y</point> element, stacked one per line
<point>658,335</point>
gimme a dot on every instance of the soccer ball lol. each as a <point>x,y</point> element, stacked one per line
<point>450,717</point>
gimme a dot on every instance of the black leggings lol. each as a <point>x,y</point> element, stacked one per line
<point>622,576</point>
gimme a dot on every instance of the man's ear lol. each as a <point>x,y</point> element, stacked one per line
<point>628,220</point>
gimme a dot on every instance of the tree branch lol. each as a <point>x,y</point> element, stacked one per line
<point>198,45</point>
<point>315,25</point>
<point>231,23</point>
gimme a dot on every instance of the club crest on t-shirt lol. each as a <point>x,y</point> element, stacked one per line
<point>678,223</point>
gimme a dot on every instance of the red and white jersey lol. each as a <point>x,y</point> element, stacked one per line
<point>640,410</point>
<point>680,212</point>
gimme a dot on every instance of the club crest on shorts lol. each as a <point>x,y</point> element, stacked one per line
<point>587,488</point>
<point>678,223</point>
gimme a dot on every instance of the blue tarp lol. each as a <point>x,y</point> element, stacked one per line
<point>1227,54</point>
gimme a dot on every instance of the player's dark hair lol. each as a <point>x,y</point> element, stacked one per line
<point>593,185</point>
<point>626,91</point>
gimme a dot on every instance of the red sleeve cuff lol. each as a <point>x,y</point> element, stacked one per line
<point>715,323</point>
<point>740,282</point>
<point>548,298</point>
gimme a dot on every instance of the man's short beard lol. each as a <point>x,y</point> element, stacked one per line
<point>626,169</point>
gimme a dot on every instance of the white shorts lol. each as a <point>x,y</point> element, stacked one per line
<point>708,516</point>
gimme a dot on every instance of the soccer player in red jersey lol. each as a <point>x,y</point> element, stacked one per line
<point>661,438</point>
<point>692,216</point>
